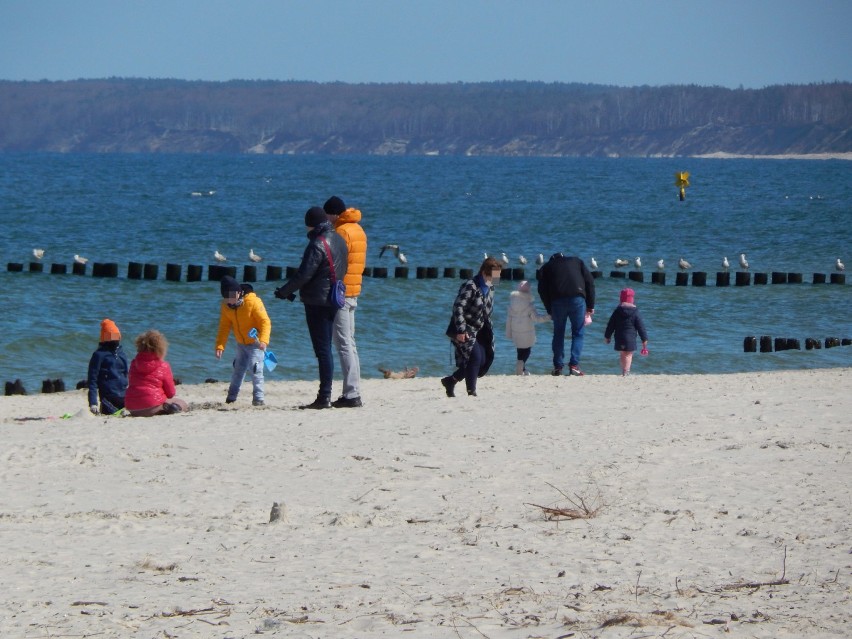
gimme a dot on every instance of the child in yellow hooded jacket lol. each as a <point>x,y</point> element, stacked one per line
<point>241,311</point>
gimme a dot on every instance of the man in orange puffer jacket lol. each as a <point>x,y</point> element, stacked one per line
<point>346,223</point>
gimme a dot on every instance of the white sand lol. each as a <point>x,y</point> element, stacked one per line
<point>414,515</point>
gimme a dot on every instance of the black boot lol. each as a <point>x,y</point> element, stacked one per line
<point>449,384</point>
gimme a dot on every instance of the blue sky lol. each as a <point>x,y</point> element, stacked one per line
<point>753,43</point>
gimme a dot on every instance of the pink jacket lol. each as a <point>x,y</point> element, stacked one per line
<point>150,382</point>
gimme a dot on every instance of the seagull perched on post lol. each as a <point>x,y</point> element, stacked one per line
<point>80,260</point>
<point>522,260</point>
<point>219,257</point>
<point>840,266</point>
<point>743,261</point>
<point>661,265</point>
<point>683,264</point>
<point>638,262</point>
<point>38,253</point>
<point>593,262</point>
<point>726,264</point>
<point>540,259</point>
<point>620,263</point>
<point>254,257</point>
<point>504,258</point>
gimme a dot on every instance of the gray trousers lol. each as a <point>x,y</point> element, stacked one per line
<point>343,338</point>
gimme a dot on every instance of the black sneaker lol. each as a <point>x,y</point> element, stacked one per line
<point>258,402</point>
<point>449,385</point>
<point>318,403</point>
<point>557,371</point>
<point>347,402</point>
<point>575,370</point>
<point>472,393</point>
<point>230,400</point>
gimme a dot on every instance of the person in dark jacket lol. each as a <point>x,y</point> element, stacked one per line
<point>625,322</point>
<point>313,281</point>
<point>470,328</point>
<point>567,290</point>
<point>108,369</point>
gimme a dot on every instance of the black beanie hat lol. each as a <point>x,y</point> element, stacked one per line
<point>227,285</point>
<point>334,205</point>
<point>315,216</point>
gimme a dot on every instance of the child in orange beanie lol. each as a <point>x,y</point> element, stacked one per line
<point>108,372</point>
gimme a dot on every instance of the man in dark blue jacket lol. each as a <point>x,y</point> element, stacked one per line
<point>313,281</point>
<point>567,290</point>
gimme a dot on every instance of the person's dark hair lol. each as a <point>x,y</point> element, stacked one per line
<point>489,265</point>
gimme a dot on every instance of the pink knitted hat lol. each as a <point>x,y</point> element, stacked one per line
<point>627,295</point>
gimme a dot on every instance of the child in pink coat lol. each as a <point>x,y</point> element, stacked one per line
<point>151,387</point>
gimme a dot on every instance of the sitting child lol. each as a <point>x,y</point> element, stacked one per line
<point>107,372</point>
<point>152,388</point>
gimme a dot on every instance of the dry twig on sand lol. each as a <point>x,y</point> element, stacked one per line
<point>406,373</point>
<point>581,507</point>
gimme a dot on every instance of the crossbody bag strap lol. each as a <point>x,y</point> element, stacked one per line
<point>330,261</point>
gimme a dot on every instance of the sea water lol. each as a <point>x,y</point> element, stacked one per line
<point>785,215</point>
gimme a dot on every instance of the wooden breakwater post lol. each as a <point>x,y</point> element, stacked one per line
<point>150,271</point>
<point>699,278</point>
<point>618,275</point>
<point>742,278</point>
<point>194,273</point>
<point>681,278</point>
<point>36,267</point>
<point>15,267</point>
<point>779,277</point>
<point>273,273</point>
<point>215,272</point>
<point>595,274</point>
<point>449,272</point>
<point>58,269</point>
<point>466,273</point>
<point>134,270</point>
<point>401,272</point>
<point>794,278</point>
<point>80,269</point>
<point>380,272</point>
<point>760,279</point>
<point>765,343</point>
<point>838,278</point>
<point>173,272</point>
<point>658,277</point>
<point>750,344</point>
<point>723,278</point>
<point>249,273</point>
<point>100,269</point>
<point>367,272</point>
<point>819,278</point>
<point>636,276</point>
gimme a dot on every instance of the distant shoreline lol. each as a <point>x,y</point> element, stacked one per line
<point>719,155</point>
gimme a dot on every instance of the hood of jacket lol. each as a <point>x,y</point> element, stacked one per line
<point>348,216</point>
<point>147,363</point>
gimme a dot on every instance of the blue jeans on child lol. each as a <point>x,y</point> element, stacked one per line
<point>249,357</point>
<point>564,309</point>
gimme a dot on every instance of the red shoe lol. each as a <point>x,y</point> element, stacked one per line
<point>575,370</point>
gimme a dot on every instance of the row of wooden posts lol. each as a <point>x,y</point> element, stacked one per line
<point>767,344</point>
<point>215,272</point>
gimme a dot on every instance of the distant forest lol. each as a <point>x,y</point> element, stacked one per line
<point>119,115</point>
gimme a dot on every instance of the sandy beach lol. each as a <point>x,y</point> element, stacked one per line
<point>648,506</point>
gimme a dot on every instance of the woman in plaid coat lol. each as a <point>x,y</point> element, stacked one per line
<point>470,328</point>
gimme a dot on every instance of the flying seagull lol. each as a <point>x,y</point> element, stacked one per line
<point>395,249</point>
